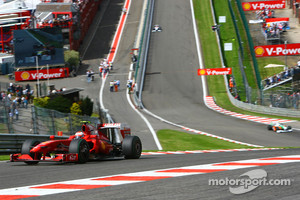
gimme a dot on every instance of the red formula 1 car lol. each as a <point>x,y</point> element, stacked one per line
<point>91,143</point>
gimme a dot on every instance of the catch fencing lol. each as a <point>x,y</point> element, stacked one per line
<point>40,121</point>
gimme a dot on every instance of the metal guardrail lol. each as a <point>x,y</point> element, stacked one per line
<point>143,51</point>
<point>12,143</point>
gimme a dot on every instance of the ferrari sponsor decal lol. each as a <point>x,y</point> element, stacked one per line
<point>260,5</point>
<point>111,125</point>
<point>214,71</point>
<point>212,105</point>
<point>277,50</point>
<point>102,182</point>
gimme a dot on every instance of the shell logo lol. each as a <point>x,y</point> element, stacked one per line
<point>247,6</point>
<point>25,75</point>
<point>103,145</point>
<point>259,51</point>
<point>202,72</point>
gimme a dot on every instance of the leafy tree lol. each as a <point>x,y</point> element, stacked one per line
<point>71,58</point>
<point>75,109</point>
<point>41,102</point>
<point>86,106</point>
<point>60,104</point>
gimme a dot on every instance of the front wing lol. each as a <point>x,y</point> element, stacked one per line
<point>70,157</point>
<point>284,131</point>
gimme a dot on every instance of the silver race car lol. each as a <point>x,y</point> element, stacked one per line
<point>156,28</point>
<point>279,128</point>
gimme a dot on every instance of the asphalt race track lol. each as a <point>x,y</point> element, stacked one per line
<point>173,91</point>
<point>185,187</point>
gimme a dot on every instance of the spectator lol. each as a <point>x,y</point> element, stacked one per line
<point>88,75</point>
<point>17,114</point>
<point>111,86</point>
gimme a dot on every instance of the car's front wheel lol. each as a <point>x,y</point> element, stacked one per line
<point>27,146</point>
<point>81,147</point>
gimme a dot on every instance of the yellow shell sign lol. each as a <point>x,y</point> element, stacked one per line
<point>25,76</point>
<point>259,51</point>
<point>247,6</point>
<point>201,72</point>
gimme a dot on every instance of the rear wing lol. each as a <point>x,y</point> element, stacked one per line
<point>124,128</point>
<point>110,125</point>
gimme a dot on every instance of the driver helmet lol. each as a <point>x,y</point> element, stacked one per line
<point>79,134</point>
<point>277,124</point>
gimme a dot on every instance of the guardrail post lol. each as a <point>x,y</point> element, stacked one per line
<point>34,120</point>
<point>7,118</point>
<point>52,121</point>
<point>70,123</point>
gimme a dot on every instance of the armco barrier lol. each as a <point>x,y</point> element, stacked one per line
<point>143,42</point>
<point>12,143</point>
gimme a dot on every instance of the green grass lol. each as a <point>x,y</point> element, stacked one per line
<point>172,140</point>
<point>267,72</point>
<point>4,157</point>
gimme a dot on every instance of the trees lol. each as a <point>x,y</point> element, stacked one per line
<point>65,105</point>
<point>72,59</point>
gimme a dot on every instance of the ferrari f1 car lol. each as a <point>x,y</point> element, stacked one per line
<point>279,128</point>
<point>156,28</point>
<point>91,143</point>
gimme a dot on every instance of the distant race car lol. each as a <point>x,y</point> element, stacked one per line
<point>91,143</point>
<point>279,128</point>
<point>156,28</point>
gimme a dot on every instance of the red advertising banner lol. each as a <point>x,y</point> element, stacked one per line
<point>282,19</point>
<point>214,71</point>
<point>43,74</point>
<point>277,50</point>
<point>260,5</point>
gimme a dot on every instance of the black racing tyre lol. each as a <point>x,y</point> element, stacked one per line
<point>27,146</point>
<point>289,127</point>
<point>132,147</point>
<point>81,147</point>
<point>269,127</point>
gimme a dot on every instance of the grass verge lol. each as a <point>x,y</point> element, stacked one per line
<point>172,140</point>
<point>4,157</point>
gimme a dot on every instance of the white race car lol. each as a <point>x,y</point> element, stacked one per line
<point>279,128</point>
<point>156,28</point>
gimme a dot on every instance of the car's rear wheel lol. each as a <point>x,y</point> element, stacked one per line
<point>132,147</point>
<point>269,127</point>
<point>81,147</point>
<point>27,146</point>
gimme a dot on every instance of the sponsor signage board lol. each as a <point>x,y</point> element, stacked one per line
<point>42,74</point>
<point>277,50</point>
<point>260,5</point>
<point>214,71</point>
